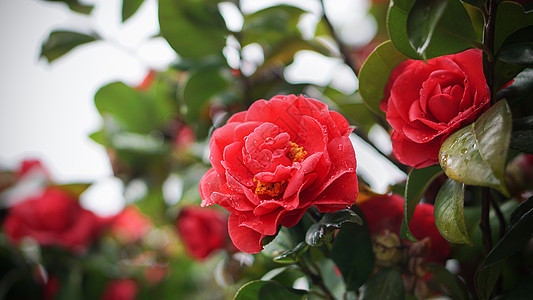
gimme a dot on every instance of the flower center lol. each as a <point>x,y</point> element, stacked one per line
<point>296,154</point>
<point>272,189</point>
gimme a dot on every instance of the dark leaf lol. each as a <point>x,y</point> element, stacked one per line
<point>61,42</point>
<point>510,18</point>
<point>200,88</point>
<point>292,255</point>
<point>323,231</point>
<point>449,212</point>
<point>447,282</point>
<point>386,284</point>
<point>357,264</point>
<point>129,8</point>
<point>76,6</point>
<point>417,183</point>
<point>268,290</point>
<point>486,279</point>
<point>422,21</point>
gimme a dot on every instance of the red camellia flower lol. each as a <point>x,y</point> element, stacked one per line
<point>120,289</point>
<point>386,213</point>
<point>53,218</point>
<point>274,161</point>
<point>130,225</point>
<point>203,231</point>
<point>426,102</point>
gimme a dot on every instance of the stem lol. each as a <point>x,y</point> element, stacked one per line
<point>484,225</point>
<point>499,214</point>
<point>488,41</point>
<point>342,48</point>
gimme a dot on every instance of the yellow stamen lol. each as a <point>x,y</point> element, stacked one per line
<point>297,154</point>
<point>271,189</point>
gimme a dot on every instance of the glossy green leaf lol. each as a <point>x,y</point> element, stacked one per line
<point>322,231</point>
<point>387,284</point>
<point>519,91</point>
<point>518,234</point>
<point>477,3</point>
<point>510,17</point>
<point>449,212</point>
<point>422,21</point>
<point>357,264</point>
<point>485,280</point>
<point>194,29</point>
<point>268,290</point>
<point>447,282</point>
<point>417,183</point>
<point>518,48</point>
<point>61,42</point>
<point>292,255</point>
<point>199,88</point>
<point>453,33</point>
<point>76,6</point>
<point>476,154</point>
<point>375,73</point>
<point>129,8</point>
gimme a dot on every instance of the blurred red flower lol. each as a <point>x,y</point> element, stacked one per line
<point>120,289</point>
<point>203,231</point>
<point>53,218</point>
<point>130,225</point>
<point>425,102</point>
<point>386,213</point>
<point>274,161</point>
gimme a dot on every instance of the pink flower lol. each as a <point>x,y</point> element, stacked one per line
<point>426,102</point>
<point>274,161</point>
<point>53,218</point>
<point>203,231</point>
<point>120,289</point>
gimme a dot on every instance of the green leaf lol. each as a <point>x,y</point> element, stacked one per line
<point>417,183</point>
<point>476,154</point>
<point>422,21</point>
<point>453,33</point>
<point>477,3</point>
<point>194,29</point>
<point>447,282</point>
<point>268,290</point>
<point>485,280</point>
<point>357,264</point>
<point>76,189</point>
<point>61,42</point>
<point>510,17</point>
<point>518,48</point>
<point>375,73</point>
<point>129,8</point>
<point>449,212</point>
<point>519,91</point>
<point>322,231</point>
<point>76,6</point>
<point>518,234</point>
<point>292,255</point>
<point>200,88</point>
<point>523,290</point>
<point>387,284</point>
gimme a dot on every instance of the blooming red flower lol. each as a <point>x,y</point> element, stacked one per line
<point>53,218</point>
<point>130,225</point>
<point>203,231</point>
<point>120,289</point>
<point>426,102</point>
<point>386,213</point>
<point>276,160</point>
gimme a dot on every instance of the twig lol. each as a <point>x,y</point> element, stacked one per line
<point>488,41</point>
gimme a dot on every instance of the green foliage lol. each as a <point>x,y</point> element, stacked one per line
<point>323,230</point>
<point>386,284</point>
<point>268,290</point>
<point>76,6</point>
<point>449,283</point>
<point>476,154</point>
<point>129,8</point>
<point>61,42</point>
<point>449,212</point>
<point>422,21</point>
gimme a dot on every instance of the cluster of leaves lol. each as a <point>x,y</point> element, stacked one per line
<point>143,131</point>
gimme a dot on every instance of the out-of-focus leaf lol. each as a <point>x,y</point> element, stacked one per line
<point>417,183</point>
<point>194,29</point>
<point>61,42</point>
<point>476,154</point>
<point>523,290</point>
<point>199,89</point>
<point>453,33</point>
<point>268,290</point>
<point>486,279</point>
<point>387,284</point>
<point>352,107</point>
<point>518,234</point>
<point>449,212</point>
<point>76,6</point>
<point>477,3</point>
<point>448,282</point>
<point>271,25</point>
<point>76,189</point>
<point>518,48</point>
<point>322,231</point>
<point>510,17</point>
<point>129,8</point>
<point>292,255</point>
<point>357,264</point>
<point>375,73</point>
<point>422,21</point>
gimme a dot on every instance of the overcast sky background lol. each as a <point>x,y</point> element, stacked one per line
<point>47,110</point>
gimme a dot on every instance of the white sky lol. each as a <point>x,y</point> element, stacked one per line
<point>47,111</point>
